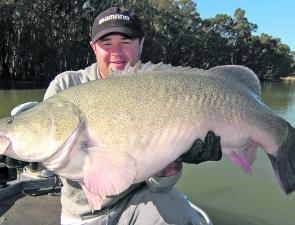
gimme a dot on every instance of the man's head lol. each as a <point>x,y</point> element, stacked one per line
<point>116,39</point>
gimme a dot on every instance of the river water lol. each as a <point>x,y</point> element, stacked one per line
<point>224,191</point>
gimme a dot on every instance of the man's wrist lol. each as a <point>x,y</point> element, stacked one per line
<point>159,183</point>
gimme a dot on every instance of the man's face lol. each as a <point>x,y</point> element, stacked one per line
<point>114,51</point>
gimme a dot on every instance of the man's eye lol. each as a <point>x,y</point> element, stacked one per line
<point>127,41</point>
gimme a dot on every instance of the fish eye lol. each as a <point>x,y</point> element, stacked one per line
<point>9,120</point>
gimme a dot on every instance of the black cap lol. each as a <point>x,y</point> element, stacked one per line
<point>116,20</point>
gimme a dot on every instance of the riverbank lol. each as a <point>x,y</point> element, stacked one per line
<point>290,78</point>
<point>22,85</point>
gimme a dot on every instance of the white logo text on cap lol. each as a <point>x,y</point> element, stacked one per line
<point>113,17</point>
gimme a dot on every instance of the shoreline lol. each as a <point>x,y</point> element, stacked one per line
<point>23,85</point>
<point>289,78</point>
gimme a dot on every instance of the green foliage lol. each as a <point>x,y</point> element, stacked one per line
<point>41,38</point>
<point>266,55</point>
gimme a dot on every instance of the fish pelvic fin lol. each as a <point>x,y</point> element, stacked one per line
<point>107,172</point>
<point>284,162</point>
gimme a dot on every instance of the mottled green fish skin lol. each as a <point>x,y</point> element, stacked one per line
<point>136,104</point>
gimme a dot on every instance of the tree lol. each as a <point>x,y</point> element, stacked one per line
<point>41,38</point>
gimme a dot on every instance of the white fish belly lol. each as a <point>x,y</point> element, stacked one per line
<point>154,152</point>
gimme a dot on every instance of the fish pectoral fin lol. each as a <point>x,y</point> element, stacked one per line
<point>107,172</point>
<point>245,157</point>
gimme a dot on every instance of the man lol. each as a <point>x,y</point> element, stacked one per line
<point>117,41</point>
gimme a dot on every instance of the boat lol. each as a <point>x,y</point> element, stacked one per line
<point>26,200</point>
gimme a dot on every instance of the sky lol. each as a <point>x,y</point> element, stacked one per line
<point>276,18</point>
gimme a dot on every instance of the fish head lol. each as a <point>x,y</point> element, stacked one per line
<point>25,135</point>
<point>36,134</point>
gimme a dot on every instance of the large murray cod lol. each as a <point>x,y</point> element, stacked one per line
<point>111,133</point>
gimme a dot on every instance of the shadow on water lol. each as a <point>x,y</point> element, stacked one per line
<point>223,217</point>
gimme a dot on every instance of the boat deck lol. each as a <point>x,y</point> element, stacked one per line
<point>29,203</point>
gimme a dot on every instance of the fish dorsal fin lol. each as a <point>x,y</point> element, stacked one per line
<point>240,74</point>
<point>139,68</point>
<point>236,73</point>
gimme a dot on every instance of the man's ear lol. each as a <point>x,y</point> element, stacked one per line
<point>141,44</point>
<point>93,45</point>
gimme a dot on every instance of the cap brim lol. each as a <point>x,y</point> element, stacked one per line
<point>121,30</point>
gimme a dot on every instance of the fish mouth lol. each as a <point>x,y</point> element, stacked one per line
<point>5,144</point>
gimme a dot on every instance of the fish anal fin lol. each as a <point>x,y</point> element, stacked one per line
<point>107,172</point>
<point>245,157</point>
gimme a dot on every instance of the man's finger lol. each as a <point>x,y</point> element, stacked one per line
<point>2,158</point>
<point>34,165</point>
<point>193,154</point>
<point>217,153</point>
<point>210,139</point>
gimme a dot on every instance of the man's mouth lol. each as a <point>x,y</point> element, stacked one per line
<point>118,62</point>
<point>118,65</point>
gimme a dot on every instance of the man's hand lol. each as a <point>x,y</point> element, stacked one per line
<point>10,162</point>
<point>171,170</point>
<point>209,150</point>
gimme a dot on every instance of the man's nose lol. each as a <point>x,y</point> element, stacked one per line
<point>116,50</point>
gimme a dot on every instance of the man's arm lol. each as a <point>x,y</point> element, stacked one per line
<point>52,89</point>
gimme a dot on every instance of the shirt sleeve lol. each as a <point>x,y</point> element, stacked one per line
<point>52,89</point>
<point>71,78</point>
<point>157,183</point>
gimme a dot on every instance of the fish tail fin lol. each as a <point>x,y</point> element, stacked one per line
<point>106,172</point>
<point>284,162</point>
